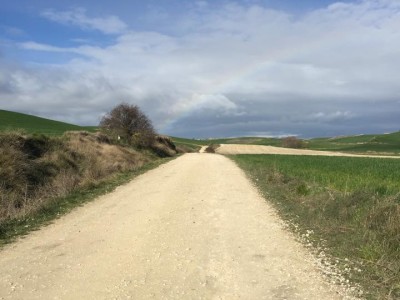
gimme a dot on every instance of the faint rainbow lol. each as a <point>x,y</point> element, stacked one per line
<point>247,70</point>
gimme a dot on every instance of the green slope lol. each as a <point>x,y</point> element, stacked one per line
<point>378,143</point>
<point>237,140</point>
<point>12,120</point>
<point>371,143</point>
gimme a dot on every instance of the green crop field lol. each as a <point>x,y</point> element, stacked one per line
<point>249,141</point>
<point>345,174</point>
<point>237,140</point>
<point>384,144</point>
<point>190,141</point>
<point>31,124</point>
<point>352,206</point>
<point>379,143</point>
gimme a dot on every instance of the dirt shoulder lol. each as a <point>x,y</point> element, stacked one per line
<point>259,149</point>
<point>194,228</point>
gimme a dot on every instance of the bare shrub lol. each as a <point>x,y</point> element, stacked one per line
<point>211,148</point>
<point>102,138</point>
<point>162,139</point>
<point>293,142</point>
<point>185,149</point>
<point>163,146</point>
<point>129,123</point>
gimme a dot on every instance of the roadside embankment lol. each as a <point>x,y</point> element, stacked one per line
<point>36,171</point>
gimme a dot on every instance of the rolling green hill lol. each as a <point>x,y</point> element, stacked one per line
<point>367,143</point>
<point>374,143</point>
<point>237,140</point>
<point>31,124</point>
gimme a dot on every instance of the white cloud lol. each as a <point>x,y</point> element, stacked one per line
<point>42,47</point>
<point>331,116</point>
<point>239,68</point>
<point>13,31</point>
<point>78,17</point>
<point>212,102</point>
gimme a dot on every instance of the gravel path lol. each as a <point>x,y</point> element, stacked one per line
<point>194,228</point>
<point>259,149</point>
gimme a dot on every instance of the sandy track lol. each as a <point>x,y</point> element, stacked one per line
<point>259,149</point>
<point>194,228</point>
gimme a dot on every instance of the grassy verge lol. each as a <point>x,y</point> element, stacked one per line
<point>11,229</point>
<point>350,207</point>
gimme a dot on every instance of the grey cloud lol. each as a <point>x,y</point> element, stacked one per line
<point>235,70</point>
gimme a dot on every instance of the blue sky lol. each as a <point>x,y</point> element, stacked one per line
<point>207,68</point>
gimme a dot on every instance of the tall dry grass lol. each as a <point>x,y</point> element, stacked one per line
<point>37,169</point>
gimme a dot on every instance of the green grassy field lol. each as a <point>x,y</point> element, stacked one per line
<point>249,141</point>
<point>238,140</point>
<point>352,206</point>
<point>379,143</point>
<point>189,145</point>
<point>342,174</point>
<point>31,124</point>
<point>385,144</point>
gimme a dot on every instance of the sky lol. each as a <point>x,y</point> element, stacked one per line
<point>203,69</point>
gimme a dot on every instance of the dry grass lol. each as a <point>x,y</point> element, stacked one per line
<point>293,142</point>
<point>211,148</point>
<point>36,169</point>
<point>163,146</point>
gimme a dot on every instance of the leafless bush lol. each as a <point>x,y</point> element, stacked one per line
<point>163,146</point>
<point>129,123</point>
<point>293,142</point>
<point>211,148</point>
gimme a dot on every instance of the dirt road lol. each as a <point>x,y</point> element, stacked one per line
<point>260,149</point>
<point>194,228</point>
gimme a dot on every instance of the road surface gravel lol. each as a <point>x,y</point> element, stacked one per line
<point>194,228</point>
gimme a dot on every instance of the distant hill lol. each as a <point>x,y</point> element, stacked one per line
<point>376,143</point>
<point>10,120</point>
<point>365,143</point>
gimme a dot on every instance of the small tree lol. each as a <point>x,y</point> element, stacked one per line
<point>130,124</point>
<point>292,142</point>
